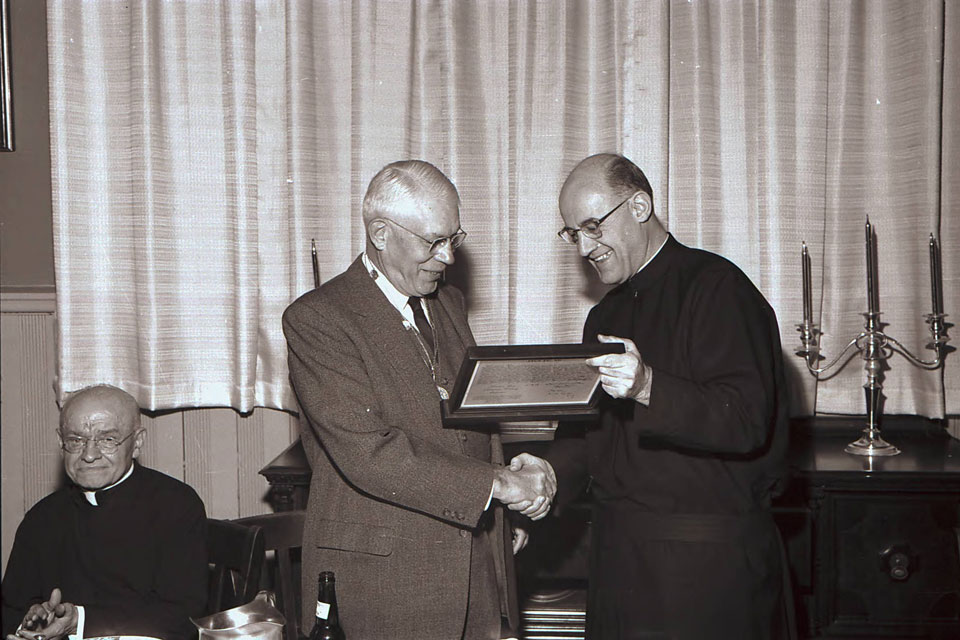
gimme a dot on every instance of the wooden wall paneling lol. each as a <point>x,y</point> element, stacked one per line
<point>30,458</point>
<point>42,415</point>
<point>211,459</point>
<point>163,443</point>
<point>250,450</point>
<point>11,435</point>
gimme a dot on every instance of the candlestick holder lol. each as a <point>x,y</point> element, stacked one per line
<point>874,347</point>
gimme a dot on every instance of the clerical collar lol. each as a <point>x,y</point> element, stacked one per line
<point>91,496</point>
<point>650,259</point>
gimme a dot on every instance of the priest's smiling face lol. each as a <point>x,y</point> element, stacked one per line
<point>100,435</point>
<point>623,244</point>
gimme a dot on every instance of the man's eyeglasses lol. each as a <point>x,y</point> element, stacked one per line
<point>437,244</point>
<point>590,228</point>
<point>106,444</point>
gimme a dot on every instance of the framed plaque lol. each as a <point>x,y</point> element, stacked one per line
<point>526,382</point>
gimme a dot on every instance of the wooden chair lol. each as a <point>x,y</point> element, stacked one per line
<point>236,554</point>
<point>283,534</point>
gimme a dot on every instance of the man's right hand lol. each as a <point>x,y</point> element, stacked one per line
<point>48,620</point>
<point>528,485</point>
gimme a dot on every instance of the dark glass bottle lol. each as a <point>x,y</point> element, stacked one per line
<point>327,626</point>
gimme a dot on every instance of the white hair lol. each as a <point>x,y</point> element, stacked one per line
<point>399,183</point>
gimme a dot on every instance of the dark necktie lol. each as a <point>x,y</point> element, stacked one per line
<point>420,318</point>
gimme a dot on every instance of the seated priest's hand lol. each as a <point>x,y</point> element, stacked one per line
<point>48,620</point>
<point>624,375</point>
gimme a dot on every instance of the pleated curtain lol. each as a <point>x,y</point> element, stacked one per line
<point>198,146</point>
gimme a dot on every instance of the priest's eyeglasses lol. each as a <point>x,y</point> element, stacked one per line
<point>436,244</point>
<point>590,228</point>
<point>106,444</point>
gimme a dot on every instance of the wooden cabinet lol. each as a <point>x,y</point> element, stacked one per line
<point>874,543</point>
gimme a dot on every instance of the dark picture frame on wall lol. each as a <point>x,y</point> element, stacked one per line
<point>6,81</point>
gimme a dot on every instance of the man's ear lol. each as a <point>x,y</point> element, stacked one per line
<point>377,231</point>
<point>641,206</point>
<point>138,442</point>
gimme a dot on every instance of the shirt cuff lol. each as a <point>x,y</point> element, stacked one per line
<point>490,497</point>
<point>643,395</point>
<point>81,619</point>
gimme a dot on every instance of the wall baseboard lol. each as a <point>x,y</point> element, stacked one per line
<point>28,300</point>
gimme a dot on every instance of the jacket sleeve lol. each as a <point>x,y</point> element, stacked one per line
<point>727,403</point>
<point>329,372</point>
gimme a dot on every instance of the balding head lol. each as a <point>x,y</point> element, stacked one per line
<point>104,414</point>
<point>609,188</point>
<point>614,172</point>
<point>105,397</point>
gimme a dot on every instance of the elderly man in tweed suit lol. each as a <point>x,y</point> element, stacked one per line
<point>407,513</point>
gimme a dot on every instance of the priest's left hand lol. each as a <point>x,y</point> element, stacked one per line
<point>623,375</point>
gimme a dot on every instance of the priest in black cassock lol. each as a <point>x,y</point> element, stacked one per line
<point>689,447</point>
<point>120,550</point>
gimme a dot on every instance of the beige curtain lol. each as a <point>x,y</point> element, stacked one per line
<point>199,145</point>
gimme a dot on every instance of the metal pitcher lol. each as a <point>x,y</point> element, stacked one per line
<point>259,618</point>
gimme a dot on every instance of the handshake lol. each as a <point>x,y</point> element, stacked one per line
<point>528,485</point>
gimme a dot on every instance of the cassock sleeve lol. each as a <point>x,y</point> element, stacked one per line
<point>23,581</point>
<point>727,403</point>
<point>567,454</point>
<point>340,400</point>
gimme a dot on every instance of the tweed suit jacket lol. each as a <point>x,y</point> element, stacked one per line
<point>394,496</point>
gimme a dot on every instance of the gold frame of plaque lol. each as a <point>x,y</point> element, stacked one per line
<point>509,383</point>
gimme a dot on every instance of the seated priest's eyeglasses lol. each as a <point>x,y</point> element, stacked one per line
<point>106,444</point>
<point>436,244</point>
<point>590,228</point>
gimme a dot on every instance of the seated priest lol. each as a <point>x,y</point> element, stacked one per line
<point>120,550</point>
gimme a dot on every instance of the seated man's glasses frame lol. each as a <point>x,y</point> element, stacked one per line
<point>106,444</point>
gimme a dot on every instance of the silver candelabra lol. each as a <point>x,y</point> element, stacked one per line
<point>873,345</point>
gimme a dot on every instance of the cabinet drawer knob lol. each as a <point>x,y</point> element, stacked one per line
<point>897,562</point>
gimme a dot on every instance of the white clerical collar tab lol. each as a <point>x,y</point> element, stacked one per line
<point>91,496</point>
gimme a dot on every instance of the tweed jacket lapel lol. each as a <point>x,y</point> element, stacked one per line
<point>383,325</point>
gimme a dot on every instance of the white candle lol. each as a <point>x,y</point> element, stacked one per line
<point>807,302</point>
<point>936,286</point>
<point>871,285</point>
